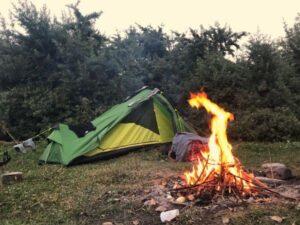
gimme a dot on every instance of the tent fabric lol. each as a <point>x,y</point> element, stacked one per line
<point>125,136</point>
<point>146,118</point>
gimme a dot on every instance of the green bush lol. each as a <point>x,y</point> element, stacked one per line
<point>266,124</point>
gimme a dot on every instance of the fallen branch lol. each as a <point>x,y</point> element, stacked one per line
<point>265,188</point>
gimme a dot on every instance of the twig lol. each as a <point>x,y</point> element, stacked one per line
<point>190,187</point>
<point>235,194</point>
<point>202,170</point>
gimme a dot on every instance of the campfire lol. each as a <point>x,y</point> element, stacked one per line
<point>217,181</point>
<point>216,169</point>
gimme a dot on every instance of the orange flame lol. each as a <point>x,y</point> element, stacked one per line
<point>217,162</point>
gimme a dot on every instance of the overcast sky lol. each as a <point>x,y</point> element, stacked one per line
<point>267,16</point>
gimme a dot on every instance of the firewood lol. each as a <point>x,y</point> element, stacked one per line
<point>270,181</point>
<point>11,177</point>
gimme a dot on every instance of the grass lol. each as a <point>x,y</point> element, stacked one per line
<point>109,190</point>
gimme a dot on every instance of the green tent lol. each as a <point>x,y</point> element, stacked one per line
<point>144,119</point>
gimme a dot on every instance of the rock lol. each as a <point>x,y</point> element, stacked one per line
<point>169,197</point>
<point>164,183</point>
<point>135,222</point>
<point>150,202</point>
<point>250,200</point>
<point>176,185</point>
<point>161,209</point>
<point>180,200</point>
<point>11,177</point>
<point>277,171</point>
<point>169,215</point>
<point>107,223</point>
<point>225,220</point>
<point>298,206</point>
<point>278,219</point>
<point>270,181</point>
<point>191,197</point>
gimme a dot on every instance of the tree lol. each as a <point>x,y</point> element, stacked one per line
<point>51,67</point>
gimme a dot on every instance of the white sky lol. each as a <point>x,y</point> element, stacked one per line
<point>267,16</point>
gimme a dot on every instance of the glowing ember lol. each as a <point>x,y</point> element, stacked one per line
<point>216,167</point>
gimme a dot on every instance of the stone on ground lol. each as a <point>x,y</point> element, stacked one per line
<point>277,171</point>
<point>161,209</point>
<point>107,223</point>
<point>278,219</point>
<point>225,220</point>
<point>169,215</point>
